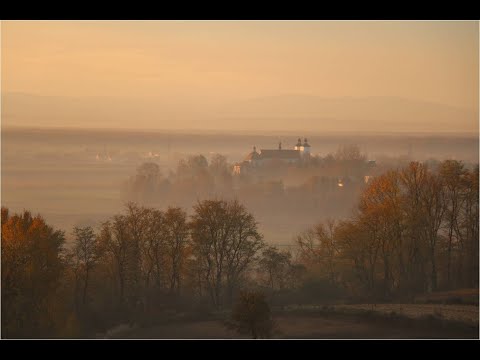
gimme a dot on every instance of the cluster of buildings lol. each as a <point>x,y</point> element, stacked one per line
<point>300,153</point>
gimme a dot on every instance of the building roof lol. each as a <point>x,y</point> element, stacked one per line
<point>279,154</point>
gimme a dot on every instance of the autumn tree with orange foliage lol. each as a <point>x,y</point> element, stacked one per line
<point>415,230</point>
<point>31,270</point>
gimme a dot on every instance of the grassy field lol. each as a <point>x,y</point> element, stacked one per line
<point>459,296</point>
<point>392,321</point>
<point>462,313</point>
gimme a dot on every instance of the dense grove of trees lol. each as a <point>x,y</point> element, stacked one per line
<point>138,264</point>
<point>193,178</point>
<point>415,230</point>
<point>301,188</point>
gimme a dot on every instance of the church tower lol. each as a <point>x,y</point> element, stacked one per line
<point>305,148</point>
<point>299,144</point>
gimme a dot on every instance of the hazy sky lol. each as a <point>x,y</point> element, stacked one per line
<point>210,62</point>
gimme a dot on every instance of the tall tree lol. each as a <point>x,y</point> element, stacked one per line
<point>414,250</point>
<point>380,211</point>
<point>85,254</point>
<point>115,246</point>
<point>225,240</point>
<point>152,248</point>
<point>453,173</point>
<point>276,266</point>
<point>433,201</point>
<point>470,214</point>
<point>176,234</point>
<point>318,247</point>
<point>31,269</point>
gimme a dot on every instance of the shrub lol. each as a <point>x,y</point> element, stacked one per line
<point>251,315</point>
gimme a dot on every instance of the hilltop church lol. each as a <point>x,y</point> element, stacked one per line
<point>301,152</point>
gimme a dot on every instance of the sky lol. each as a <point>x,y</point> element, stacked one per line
<point>204,64</point>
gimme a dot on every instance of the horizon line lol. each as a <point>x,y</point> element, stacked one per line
<point>260,132</point>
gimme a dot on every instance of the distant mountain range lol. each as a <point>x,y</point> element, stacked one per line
<point>273,113</point>
<point>355,114</point>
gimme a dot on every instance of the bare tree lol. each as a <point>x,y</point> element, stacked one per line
<point>152,251</point>
<point>433,201</point>
<point>471,223</point>
<point>176,232</point>
<point>115,245</point>
<point>414,250</point>
<point>242,247</point>
<point>225,240</point>
<point>85,254</point>
<point>318,246</point>
<point>276,266</point>
<point>452,173</point>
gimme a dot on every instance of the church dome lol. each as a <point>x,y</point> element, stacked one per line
<point>305,143</point>
<point>253,155</point>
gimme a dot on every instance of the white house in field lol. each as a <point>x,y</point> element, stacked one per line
<point>300,152</point>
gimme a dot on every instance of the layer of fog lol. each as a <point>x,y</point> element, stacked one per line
<point>75,177</point>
